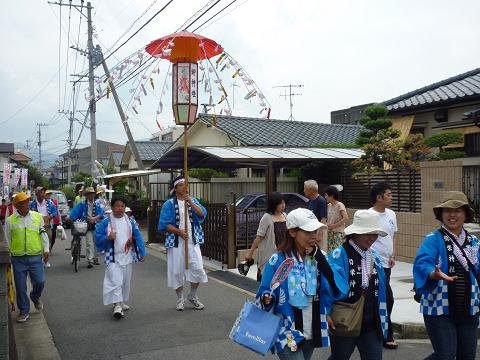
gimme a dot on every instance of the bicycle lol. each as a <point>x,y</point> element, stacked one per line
<point>79,229</point>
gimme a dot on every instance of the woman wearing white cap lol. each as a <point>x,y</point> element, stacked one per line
<point>362,273</point>
<point>172,222</point>
<point>303,299</point>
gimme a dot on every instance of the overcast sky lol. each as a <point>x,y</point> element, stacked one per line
<point>345,53</point>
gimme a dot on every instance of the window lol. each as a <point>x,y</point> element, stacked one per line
<point>472,144</point>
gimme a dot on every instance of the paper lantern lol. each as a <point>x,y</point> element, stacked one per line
<point>185,92</point>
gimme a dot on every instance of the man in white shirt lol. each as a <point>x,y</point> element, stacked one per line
<point>382,198</point>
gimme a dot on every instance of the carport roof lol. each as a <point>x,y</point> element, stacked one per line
<point>241,156</point>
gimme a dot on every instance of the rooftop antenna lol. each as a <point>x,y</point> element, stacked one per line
<point>288,92</point>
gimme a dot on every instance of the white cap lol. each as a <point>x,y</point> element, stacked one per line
<point>303,219</point>
<point>127,209</point>
<point>365,222</point>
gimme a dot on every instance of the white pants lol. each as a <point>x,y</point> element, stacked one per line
<point>177,274</point>
<point>116,283</point>
<point>90,245</point>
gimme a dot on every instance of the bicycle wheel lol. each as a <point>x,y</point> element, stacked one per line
<point>76,253</point>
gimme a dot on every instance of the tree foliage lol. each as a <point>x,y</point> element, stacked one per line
<point>35,175</point>
<point>381,144</point>
<point>206,174</point>
<point>82,177</point>
<point>443,139</point>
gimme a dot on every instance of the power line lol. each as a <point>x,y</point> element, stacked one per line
<point>194,21</point>
<point>228,13</point>
<point>223,9</point>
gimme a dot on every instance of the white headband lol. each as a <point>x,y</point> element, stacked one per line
<point>178,182</point>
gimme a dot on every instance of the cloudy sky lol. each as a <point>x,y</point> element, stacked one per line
<point>345,53</point>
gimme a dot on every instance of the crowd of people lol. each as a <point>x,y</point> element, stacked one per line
<point>337,293</point>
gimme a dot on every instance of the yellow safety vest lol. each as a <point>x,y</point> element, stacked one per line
<point>26,241</point>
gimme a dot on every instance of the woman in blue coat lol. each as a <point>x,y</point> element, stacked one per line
<point>304,298</point>
<point>119,237</point>
<point>363,275</point>
<point>446,275</point>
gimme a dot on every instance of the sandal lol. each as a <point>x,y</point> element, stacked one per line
<point>392,345</point>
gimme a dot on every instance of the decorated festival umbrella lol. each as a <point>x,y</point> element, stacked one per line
<point>184,49</point>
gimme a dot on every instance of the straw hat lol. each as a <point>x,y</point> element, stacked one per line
<point>89,190</point>
<point>454,200</point>
<point>365,222</point>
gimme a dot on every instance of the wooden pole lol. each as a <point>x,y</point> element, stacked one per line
<point>185,174</point>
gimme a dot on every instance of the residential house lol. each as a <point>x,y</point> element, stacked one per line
<point>6,150</point>
<point>448,105</point>
<point>171,133</point>
<point>149,152</point>
<point>114,160</point>
<point>80,158</point>
<point>245,131</point>
<point>20,158</point>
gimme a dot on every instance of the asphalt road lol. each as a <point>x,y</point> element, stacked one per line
<point>83,328</point>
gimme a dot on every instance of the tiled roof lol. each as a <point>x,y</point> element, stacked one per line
<point>463,87</point>
<point>152,150</point>
<point>117,157</point>
<point>264,132</point>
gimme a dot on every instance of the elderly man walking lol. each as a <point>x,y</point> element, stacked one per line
<point>90,211</point>
<point>29,245</point>
<point>46,207</point>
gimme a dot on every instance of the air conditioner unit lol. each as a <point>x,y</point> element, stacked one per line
<point>441,116</point>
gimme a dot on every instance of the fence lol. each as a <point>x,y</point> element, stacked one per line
<point>220,190</point>
<point>218,228</point>
<point>406,189</point>
<point>471,186</point>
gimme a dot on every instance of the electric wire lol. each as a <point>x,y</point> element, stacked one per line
<point>228,13</point>
<point>210,18</point>
<point>207,10</point>
<point>67,54</point>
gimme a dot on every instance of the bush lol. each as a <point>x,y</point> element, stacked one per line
<point>451,154</point>
<point>443,139</point>
<point>206,174</point>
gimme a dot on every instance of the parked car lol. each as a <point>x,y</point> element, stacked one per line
<point>250,209</point>
<point>63,207</point>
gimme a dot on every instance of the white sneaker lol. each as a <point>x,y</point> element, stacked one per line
<point>196,303</point>
<point>180,304</point>
<point>124,306</point>
<point>117,312</point>
<point>47,264</point>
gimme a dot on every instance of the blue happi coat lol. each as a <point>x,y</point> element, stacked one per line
<point>338,259</point>
<point>51,208</point>
<point>80,211</point>
<point>168,217</point>
<point>434,294</point>
<point>281,305</point>
<point>101,240</point>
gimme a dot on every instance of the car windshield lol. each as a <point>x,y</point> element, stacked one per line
<point>61,199</point>
<point>243,201</point>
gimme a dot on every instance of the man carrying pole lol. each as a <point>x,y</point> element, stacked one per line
<point>178,233</point>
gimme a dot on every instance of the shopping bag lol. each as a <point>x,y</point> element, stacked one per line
<point>256,328</point>
<point>63,235</point>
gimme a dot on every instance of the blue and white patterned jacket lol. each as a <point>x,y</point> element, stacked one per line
<point>79,212</point>
<point>281,305</point>
<point>434,294</point>
<point>338,259</point>
<point>52,209</point>
<point>167,217</point>
<point>101,240</point>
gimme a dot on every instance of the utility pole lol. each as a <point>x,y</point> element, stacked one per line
<point>39,132</point>
<point>69,154</point>
<point>290,95</point>
<point>91,88</point>
<point>131,142</point>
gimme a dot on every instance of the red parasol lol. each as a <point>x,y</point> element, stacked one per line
<point>187,46</point>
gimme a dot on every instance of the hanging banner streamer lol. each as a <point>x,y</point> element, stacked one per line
<point>24,178</point>
<point>16,179</point>
<point>7,168</point>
